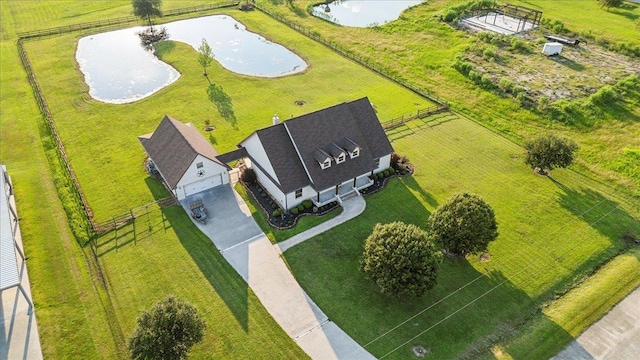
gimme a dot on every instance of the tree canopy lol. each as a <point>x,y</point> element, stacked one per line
<point>205,56</point>
<point>465,224</point>
<point>548,152</point>
<point>400,259</point>
<point>146,9</point>
<point>168,331</point>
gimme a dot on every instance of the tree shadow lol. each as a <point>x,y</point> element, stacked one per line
<point>223,102</point>
<point>300,12</point>
<point>600,212</point>
<point>224,279</point>
<point>212,139</point>
<point>411,183</point>
<point>162,48</point>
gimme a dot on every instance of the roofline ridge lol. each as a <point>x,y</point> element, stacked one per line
<point>284,123</point>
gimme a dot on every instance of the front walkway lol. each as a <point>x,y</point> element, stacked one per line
<point>242,243</point>
<point>352,207</point>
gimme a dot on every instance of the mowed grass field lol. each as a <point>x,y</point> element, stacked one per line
<point>101,139</point>
<point>553,230</point>
<point>421,48</point>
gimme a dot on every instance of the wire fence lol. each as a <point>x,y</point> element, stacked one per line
<point>359,59</point>
<point>119,21</point>
<point>127,217</point>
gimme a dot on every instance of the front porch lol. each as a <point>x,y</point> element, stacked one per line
<point>340,191</point>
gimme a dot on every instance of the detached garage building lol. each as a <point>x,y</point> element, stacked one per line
<point>186,161</point>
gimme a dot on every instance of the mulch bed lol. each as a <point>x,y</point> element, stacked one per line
<point>288,221</point>
<point>284,221</point>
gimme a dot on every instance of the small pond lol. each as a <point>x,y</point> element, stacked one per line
<point>118,69</point>
<point>363,13</point>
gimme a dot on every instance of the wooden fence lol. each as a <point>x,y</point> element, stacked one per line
<point>125,218</point>
<point>359,59</point>
<point>118,21</point>
<point>60,150</point>
<point>420,114</point>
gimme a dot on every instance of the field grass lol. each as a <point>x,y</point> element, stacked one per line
<point>553,230</point>
<point>577,308</point>
<point>277,235</point>
<point>163,253</point>
<point>422,49</point>
<point>101,138</point>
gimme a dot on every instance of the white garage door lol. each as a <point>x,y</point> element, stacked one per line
<point>202,185</point>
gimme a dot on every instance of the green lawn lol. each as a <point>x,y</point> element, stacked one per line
<point>162,254</point>
<point>553,230</point>
<point>277,235</point>
<point>101,138</point>
<point>421,49</point>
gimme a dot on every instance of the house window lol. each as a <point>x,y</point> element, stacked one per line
<point>355,153</point>
<point>341,158</point>
<point>326,164</point>
<point>298,193</point>
<point>199,165</point>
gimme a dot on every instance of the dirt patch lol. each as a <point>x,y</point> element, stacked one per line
<point>577,72</point>
<point>300,102</point>
<point>420,351</point>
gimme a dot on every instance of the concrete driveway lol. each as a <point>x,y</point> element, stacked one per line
<point>242,243</point>
<point>616,336</point>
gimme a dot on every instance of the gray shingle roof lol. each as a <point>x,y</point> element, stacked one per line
<point>174,146</point>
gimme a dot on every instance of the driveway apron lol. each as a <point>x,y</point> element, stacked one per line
<point>242,243</point>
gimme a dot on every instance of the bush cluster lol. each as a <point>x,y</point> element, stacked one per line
<point>453,13</point>
<point>248,176</point>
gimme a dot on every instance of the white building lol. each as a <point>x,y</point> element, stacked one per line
<point>186,161</point>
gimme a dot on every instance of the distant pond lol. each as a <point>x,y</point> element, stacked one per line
<point>363,13</point>
<point>118,70</point>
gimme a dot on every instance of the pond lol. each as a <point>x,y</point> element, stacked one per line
<point>365,13</point>
<point>118,70</point>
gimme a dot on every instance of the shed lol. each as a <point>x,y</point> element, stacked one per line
<point>552,48</point>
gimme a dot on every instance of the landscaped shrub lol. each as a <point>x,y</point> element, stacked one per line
<point>307,204</point>
<point>295,210</point>
<point>277,212</point>
<point>380,175</point>
<point>300,207</point>
<point>248,176</point>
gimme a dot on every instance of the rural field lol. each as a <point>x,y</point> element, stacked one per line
<point>561,250</point>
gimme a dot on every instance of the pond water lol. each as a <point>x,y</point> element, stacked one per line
<point>363,13</point>
<point>118,70</point>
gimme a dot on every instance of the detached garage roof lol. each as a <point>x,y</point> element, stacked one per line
<point>174,146</point>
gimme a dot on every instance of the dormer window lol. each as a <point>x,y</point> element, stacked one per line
<point>326,164</point>
<point>341,158</point>
<point>323,158</point>
<point>355,153</point>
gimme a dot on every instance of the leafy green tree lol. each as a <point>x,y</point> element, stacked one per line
<point>465,224</point>
<point>205,56</point>
<point>547,152</point>
<point>146,9</point>
<point>400,259</point>
<point>168,331</point>
<point>609,3</point>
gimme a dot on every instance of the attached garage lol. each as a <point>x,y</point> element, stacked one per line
<point>186,160</point>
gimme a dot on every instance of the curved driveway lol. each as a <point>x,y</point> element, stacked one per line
<point>240,240</point>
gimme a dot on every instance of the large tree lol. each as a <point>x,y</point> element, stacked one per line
<point>609,3</point>
<point>205,56</point>
<point>146,9</point>
<point>168,331</point>
<point>400,259</point>
<point>548,152</point>
<point>465,224</point>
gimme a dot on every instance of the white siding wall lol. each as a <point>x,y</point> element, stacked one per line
<point>307,193</point>
<point>255,149</point>
<point>385,163</point>
<point>211,169</point>
<point>271,188</point>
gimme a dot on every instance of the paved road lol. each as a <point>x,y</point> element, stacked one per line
<point>240,240</point>
<point>614,337</point>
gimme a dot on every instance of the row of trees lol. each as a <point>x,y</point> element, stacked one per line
<point>402,259</point>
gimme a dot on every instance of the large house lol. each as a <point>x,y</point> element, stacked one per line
<point>322,156</point>
<point>186,161</point>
